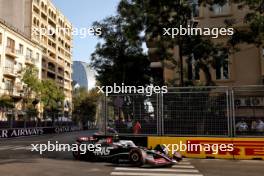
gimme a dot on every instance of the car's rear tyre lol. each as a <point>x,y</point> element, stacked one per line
<point>136,157</point>
<point>76,155</point>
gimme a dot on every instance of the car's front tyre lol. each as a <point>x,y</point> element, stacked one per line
<point>136,157</point>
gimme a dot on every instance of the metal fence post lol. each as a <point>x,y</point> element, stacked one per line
<point>158,114</point>
<point>228,109</point>
<point>232,119</point>
<point>161,114</point>
<point>105,114</point>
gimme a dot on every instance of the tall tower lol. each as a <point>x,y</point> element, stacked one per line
<point>83,75</point>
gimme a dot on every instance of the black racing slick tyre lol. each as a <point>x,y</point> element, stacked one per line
<point>76,155</point>
<point>136,157</point>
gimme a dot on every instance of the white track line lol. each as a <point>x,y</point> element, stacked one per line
<point>151,174</point>
<point>11,147</point>
<point>183,166</point>
<point>157,170</point>
<point>5,147</point>
<point>186,159</point>
<point>15,147</point>
<point>20,148</point>
<point>184,163</point>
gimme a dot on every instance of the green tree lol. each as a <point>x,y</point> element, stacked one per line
<point>30,78</point>
<point>45,91</point>
<point>32,91</point>
<point>52,96</point>
<point>85,103</point>
<point>6,102</point>
<point>152,16</point>
<point>116,59</point>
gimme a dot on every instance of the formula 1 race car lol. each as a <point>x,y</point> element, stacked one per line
<point>118,151</point>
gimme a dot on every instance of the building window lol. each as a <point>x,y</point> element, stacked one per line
<point>8,85</point>
<point>10,44</point>
<point>21,49</point>
<point>219,9</point>
<point>9,63</point>
<point>222,67</point>
<point>19,67</point>
<point>36,1</point>
<point>0,38</point>
<point>37,57</point>
<point>29,53</point>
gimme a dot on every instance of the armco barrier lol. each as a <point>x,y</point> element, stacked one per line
<point>18,132</point>
<point>244,148</point>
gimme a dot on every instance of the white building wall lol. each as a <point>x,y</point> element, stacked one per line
<point>11,64</point>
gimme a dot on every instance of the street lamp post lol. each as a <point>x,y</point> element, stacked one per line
<point>34,103</point>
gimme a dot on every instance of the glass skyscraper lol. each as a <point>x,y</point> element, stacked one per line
<point>83,75</point>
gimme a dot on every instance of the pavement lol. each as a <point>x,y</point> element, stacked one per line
<point>17,159</point>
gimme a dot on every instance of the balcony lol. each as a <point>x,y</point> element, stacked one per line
<point>67,85</point>
<point>30,60</point>
<point>13,91</point>
<point>60,82</point>
<point>36,10</point>
<point>52,48</point>
<point>51,67</point>
<point>45,55</point>
<point>60,71</point>
<point>11,52</point>
<point>44,16</point>
<point>9,71</point>
<point>17,93</point>
<point>60,61</point>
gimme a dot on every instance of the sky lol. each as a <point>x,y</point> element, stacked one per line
<point>82,13</point>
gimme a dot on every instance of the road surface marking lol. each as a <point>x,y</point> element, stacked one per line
<point>183,166</point>
<point>184,163</point>
<point>15,147</point>
<point>156,170</point>
<point>9,147</point>
<point>6,147</point>
<point>20,148</point>
<point>151,174</point>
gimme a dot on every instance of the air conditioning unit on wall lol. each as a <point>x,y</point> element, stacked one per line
<point>249,102</point>
<point>257,101</point>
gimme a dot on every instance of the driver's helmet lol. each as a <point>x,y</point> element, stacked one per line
<point>161,148</point>
<point>115,138</point>
<point>165,150</point>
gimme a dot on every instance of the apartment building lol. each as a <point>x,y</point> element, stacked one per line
<point>45,24</point>
<point>16,52</point>
<point>245,67</point>
<point>57,55</point>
